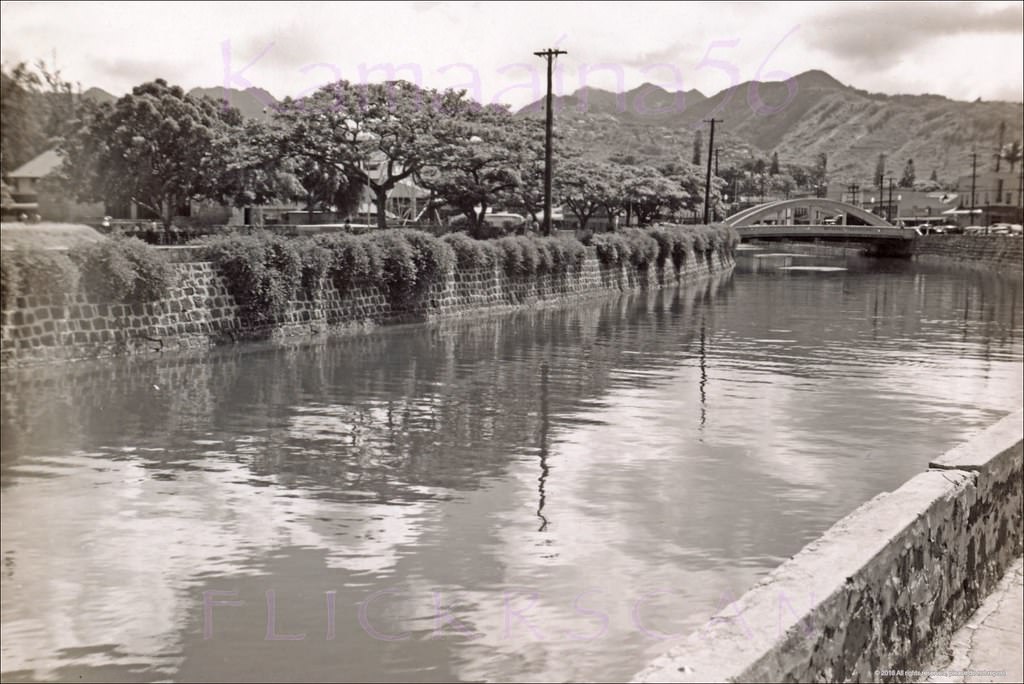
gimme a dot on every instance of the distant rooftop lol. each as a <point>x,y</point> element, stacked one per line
<point>38,166</point>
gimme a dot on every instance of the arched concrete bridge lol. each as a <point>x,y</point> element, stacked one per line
<point>814,217</point>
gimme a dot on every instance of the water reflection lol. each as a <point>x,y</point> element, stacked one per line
<point>546,495</point>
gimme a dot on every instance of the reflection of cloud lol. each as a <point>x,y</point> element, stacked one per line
<point>122,590</point>
<point>877,33</point>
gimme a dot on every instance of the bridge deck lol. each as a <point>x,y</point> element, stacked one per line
<point>842,231</point>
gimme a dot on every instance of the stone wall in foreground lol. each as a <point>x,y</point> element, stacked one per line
<point>201,311</point>
<point>884,588</point>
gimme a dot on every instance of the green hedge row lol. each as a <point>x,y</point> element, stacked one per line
<point>661,244</point>
<point>264,270</point>
<point>114,270</point>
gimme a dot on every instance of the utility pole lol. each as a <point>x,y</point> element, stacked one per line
<point>549,124</point>
<point>889,217</point>
<point>1020,194</point>
<point>707,179</point>
<point>716,162</point>
<point>854,190</point>
<point>974,176</point>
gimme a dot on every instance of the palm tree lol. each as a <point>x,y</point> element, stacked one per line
<point>1012,154</point>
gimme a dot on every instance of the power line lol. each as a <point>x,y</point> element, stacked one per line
<point>549,124</point>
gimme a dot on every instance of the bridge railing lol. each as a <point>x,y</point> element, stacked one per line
<point>826,230</point>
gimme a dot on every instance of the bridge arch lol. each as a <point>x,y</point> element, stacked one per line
<point>750,216</point>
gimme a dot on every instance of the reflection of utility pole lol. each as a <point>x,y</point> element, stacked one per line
<point>544,469</point>
<point>707,180</point>
<point>549,124</point>
<point>703,374</point>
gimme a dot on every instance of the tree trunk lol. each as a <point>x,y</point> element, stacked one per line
<point>167,213</point>
<point>382,208</point>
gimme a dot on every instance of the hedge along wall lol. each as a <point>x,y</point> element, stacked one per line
<point>883,589</point>
<point>200,311</point>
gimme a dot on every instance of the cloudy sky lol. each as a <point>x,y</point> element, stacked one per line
<point>963,50</point>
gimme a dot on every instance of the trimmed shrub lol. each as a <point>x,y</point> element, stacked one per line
<point>124,270</point>
<point>10,280</point>
<point>262,271</point>
<point>611,248</point>
<point>36,272</point>
<point>666,240</point>
<point>682,247</point>
<point>470,254</point>
<point>701,239</point>
<point>316,264</point>
<point>641,247</point>
<point>434,258</point>
<point>353,260</point>
<point>397,271</point>
<point>573,253</point>
<point>511,254</point>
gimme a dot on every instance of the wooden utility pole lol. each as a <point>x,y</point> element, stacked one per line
<point>716,163</point>
<point>889,217</point>
<point>549,125</point>
<point>974,177</point>
<point>707,179</point>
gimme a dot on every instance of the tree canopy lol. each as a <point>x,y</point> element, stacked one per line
<point>157,147</point>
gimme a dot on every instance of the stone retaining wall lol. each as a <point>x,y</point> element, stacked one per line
<point>1002,252</point>
<point>884,588</point>
<point>201,312</point>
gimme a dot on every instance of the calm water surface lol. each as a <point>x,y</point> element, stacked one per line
<point>555,495</point>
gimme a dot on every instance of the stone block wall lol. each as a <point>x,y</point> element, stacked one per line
<point>1002,252</point>
<point>883,589</point>
<point>201,312</point>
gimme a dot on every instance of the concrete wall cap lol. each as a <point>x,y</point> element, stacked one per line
<point>987,448</point>
<point>748,629</point>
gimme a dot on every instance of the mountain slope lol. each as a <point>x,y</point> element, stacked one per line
<point>253,103</point>
<point>648,103</point>
<point>810,114</point>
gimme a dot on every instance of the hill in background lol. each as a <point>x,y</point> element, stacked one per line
<point>810,114</point>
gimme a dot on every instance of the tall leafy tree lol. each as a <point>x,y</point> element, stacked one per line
<point>880,170</point>
<point>36,106</point>
<point>909,175</point>
<point>650,193</point>
<point>375,134</point>
<point>479,159</point>
<point>774,168</point>
<point>585,186</point>
<point>698,141</point>
<point>21,130</point>
<point>1011,154</point>
<point>157,147</point>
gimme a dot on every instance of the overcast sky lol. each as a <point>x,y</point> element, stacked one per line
<point>962,50</point>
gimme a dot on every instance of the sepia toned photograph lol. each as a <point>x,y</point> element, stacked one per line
<point>512,342</point>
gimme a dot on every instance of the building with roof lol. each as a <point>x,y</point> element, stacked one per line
<point>997,194</point>
<point>32,197</point>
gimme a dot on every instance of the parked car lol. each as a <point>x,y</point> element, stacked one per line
<point>1006,229</point>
